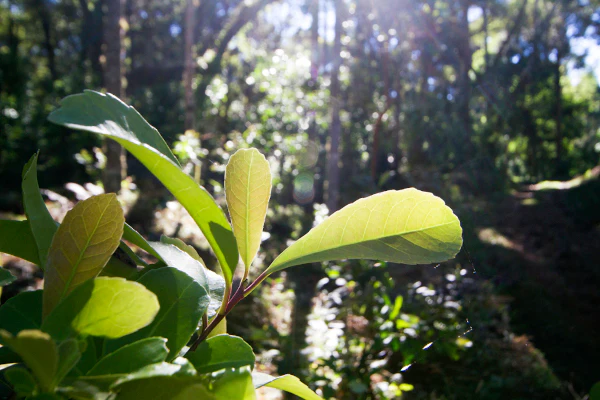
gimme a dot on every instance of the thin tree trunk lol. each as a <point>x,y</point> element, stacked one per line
<point>466,60</point>
<point>558,116</point>
<point>188,74</point>
<point>333,168</point>
<point>116,167</point>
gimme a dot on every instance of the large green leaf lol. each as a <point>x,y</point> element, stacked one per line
<point>403,226</point>
<point>178,258</point>
<point>21,380</point>
<point>248,189</point>
<point>38,352</point>
<point>16,239</point>
<point>42,225</point>
<point>164,388</point>
<point>288,383</point>
<point>68,356</point>
<point>108,116</point>
<point>107,307</point>
<point>24,311</point>
<point>82,246</point>
<point>130,358</point>
<point>151,371</point>
<point>219,352</point>
<point>234,384</point>
<point>182,303</point>
<point>6,277</point>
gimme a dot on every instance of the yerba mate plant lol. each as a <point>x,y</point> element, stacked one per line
<point>110,326</point>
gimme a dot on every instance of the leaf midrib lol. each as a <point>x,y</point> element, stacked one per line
<point>76,265</point>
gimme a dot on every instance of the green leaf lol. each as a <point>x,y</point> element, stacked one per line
<point>403,226</point>
<point>108,307</point>
<point>130,358</point>
<point>235,384</point>
<point>24,311</point>
<point>182,246</point>
<point>42,225</point>
<point>164,388</point>
<point>595,392</point>
<point>39,353</point>
<point>6,277</point>
<point>248,189</point>
<point>82,246</point>
<point>106,115</point>
<point>287,383</point>
<point>182,303</point>
<point>16,239</point>
<point>213,283</point>
<point>219,352</point>
<point>21,380</point>
<point>150,371</point>
<point>68,356</point>
<point>134,237</point>
<point>7,356</point>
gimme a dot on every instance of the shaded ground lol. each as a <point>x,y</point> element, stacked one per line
<point>542,248</point>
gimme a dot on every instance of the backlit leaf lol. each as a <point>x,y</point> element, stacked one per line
<point>82,246</point>
<point>288,383</point>
<point>38,352</point>
<point>42,225</point>
<point>403,226</point>
<point>106,115</point>
<point>107,307</point>
<point>248,189</point>
<point>219,352</point>
<point>234,384</point>
<point>182,303</point>
<point>183,246</point>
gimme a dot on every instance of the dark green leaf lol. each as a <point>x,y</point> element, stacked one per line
<point>106,115</point>
<point>131,357</point>
<point>21,380</point>
<point>219,352</point>
<point>24,311</point>
<point>42,225</point>
<point>164,388</point>
<point>150,371</point>
<point>213,283</point>
<point>182,303</point>
<point>68,356</point>
<point>16,239</point>
<point>39,353</point>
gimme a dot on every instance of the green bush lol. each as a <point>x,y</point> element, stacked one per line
<point>108,324</point>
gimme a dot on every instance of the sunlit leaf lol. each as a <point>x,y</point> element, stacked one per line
<point>287,383</point>
<point>182,246</point>
<point>134,237</point>
<point>213,283</point>
<point>17,240</point>
<point>42,225</point>
<point>106,115</point>
<point>150,371</point>
<point>182,303</point>
<point>107,307</point>
<point>234,384</point>
<point>219,352</point>
<point>164,388</point>
<point>82,246</point>
<point>38,352</point>
<point>405,226</point>
<point>248,189</point>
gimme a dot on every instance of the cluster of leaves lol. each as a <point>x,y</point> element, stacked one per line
<point>109,324</point>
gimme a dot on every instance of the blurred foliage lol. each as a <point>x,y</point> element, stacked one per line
<point>472,100</point>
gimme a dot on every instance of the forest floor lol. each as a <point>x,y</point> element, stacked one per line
<point>541,247</point>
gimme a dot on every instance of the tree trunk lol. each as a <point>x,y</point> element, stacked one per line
<point>333,168</point>
<point>188,74</point>
<point>558,116</point>
<point>465,63</point>
<point>116,167</point>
